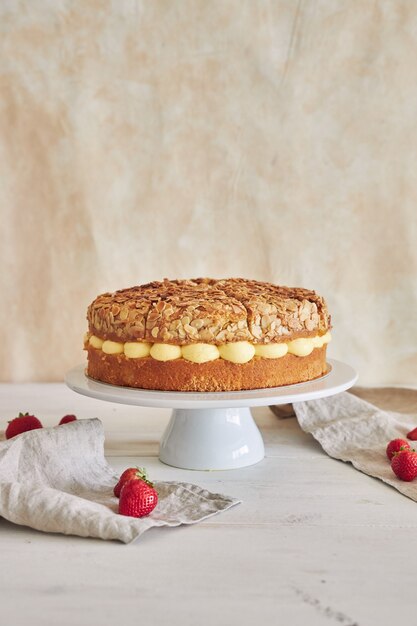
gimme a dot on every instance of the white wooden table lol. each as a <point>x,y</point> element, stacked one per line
<point>314,541</point>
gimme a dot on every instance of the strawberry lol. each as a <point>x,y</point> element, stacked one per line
<point>404,465</point>
<point>21,424</point>
<point>66,419</point>
<point>396,445</point>
<point>137,498</point>
<point>131,473</point>
<point>412,434</point>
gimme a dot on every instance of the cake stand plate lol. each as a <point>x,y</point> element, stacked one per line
<point>214,431</point>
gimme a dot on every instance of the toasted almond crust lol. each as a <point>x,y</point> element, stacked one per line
<point>208,311</point>
<point>219,375</point>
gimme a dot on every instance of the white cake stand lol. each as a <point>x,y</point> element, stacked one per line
<point>214,431</point>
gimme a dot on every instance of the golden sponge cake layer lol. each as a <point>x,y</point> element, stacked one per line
<point>218,375</point>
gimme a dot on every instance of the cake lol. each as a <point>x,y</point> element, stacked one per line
<point>207,335</point>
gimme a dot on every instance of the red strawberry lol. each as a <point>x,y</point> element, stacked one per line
<point>131,473</point>
<point>404,465</point>
<point>137,498</point>
<point>396,445</point>
<point>412,434</point>
<point>21,424</point>
<point>66,419</point>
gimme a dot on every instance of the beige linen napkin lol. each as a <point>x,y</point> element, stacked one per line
<point>57,480</point>
<point>353,429</point>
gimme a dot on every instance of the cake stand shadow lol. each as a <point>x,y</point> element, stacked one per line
<point>214,431</point>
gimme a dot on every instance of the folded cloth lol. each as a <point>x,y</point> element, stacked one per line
<point>355,430</point>
<point>57,480</point>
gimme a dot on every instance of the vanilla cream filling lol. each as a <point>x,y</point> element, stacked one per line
<point>137,349</point>
<point>236,352</point>
<point>165,352</point>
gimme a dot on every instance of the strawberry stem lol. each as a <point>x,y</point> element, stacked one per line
<point>143,475</point>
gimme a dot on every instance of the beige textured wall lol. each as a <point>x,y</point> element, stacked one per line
<point>269,139</point>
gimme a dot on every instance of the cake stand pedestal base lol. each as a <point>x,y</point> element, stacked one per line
<point>211,439</point>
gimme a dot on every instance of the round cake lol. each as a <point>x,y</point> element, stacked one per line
<point>207,335</point>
